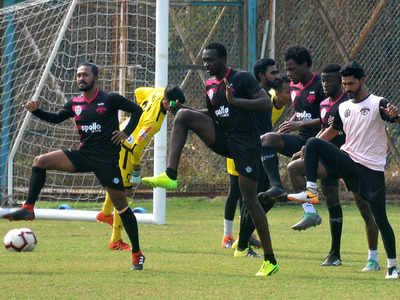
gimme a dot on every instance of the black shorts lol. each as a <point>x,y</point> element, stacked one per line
<point>244,149</point>
<point>108,174</point>
<point>368,183</point>
<point>293,143</point>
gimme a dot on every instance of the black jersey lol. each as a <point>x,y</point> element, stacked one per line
<point>328,111</point>
<point>231,118</point>
<point>306,99</point>
<point>96,119</point>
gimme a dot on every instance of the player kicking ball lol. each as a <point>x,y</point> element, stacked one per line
<point>227,126</point>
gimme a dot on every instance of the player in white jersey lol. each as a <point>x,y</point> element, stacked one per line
<point>361,159</point>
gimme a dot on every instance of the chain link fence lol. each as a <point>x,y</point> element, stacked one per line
<point>338,31</point>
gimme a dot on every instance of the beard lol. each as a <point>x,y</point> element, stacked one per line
<point>354,94</point>
<point>86,88</point>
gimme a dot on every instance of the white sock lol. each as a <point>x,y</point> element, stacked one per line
<point>392,262</point>
<point>309,208</point>
<point>373,254</point>
<point>228,227</point>
<point>312,186</point>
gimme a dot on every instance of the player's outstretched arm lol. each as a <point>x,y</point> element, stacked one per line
<point>65,113</point>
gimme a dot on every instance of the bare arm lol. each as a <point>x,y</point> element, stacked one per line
<point>259,102</point>
<point>291,125</point>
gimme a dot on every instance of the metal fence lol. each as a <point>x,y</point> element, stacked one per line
<point>338,31</point>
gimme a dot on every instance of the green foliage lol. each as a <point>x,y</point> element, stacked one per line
<point>184,260</point>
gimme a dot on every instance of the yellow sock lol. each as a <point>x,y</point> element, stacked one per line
<point>117,227</point>
<point>107,206</point>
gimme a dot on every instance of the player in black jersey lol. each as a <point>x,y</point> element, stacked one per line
<point>332,85</point>
<point>307,93</point>
<point>227,126</point>
<point>96,117</point>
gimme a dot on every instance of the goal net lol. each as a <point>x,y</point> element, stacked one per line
<point>41,44</point>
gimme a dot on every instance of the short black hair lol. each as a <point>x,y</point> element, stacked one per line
<point>173,93</point>
<point>262,65</point>
<point>279,82</point>
<point>221,50</point>
<point>352,68</point>
<point>331,68</point>
<point>299,54</point>
<point>92,66</point>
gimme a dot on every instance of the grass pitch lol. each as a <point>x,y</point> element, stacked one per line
<point>184,259</point>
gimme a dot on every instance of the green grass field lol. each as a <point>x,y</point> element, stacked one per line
<point>184,260</point>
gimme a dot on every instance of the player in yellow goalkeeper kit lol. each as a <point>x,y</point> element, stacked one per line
<point>155,102</point>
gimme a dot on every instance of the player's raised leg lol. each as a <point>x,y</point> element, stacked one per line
<point>56,160</point>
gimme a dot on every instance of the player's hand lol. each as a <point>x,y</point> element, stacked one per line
<point>118,136</point>
<point>298,155</point>
<point>31,105</point>
<point>228,92</point>
<point>390,110</point>
<point>289,126</point>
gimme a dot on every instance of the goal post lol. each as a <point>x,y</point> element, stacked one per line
<point>38,61</point>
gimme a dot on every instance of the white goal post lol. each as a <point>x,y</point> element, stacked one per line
<point>42,43</point>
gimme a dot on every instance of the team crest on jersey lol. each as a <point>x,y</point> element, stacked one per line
<point>210,94</point>
<point>249,169</point>
<point>323,113</point>
<point>311,97</point>
<point>77,110</point>
<point>101,110</point>
<point>130,140</point>
<point>364,111</point>
<point>293,95</point>
<point>116,180</point>
<point>347,113</point>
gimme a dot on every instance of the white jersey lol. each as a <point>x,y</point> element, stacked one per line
<point>366,141</point>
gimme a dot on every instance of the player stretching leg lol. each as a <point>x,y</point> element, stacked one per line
<point>96,116</point>
<point>307,93</point>
<point>332,85</point>
<point>362,158</point>
<point>155,102</point>
<point>227,127</point>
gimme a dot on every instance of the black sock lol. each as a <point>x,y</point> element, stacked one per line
<point>336,223</point>
<point>271,258</point>
<point>171,173</point>
<point>36,183</point>
<point>131,228</point>
<point>270,163</point>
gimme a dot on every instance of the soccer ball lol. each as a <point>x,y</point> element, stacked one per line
<point>20,240</point>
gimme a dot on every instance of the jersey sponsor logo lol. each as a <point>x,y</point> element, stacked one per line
<point>94,127</point>
<point>364,111</point>
<point>303,115</point>
<point>101,110</point>
<point>77,109</point>
<point>222,112</point>
<point>347,113</point>
<point>249,169</point>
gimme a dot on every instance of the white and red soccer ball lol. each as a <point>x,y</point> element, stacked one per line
<point>20,240</point>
